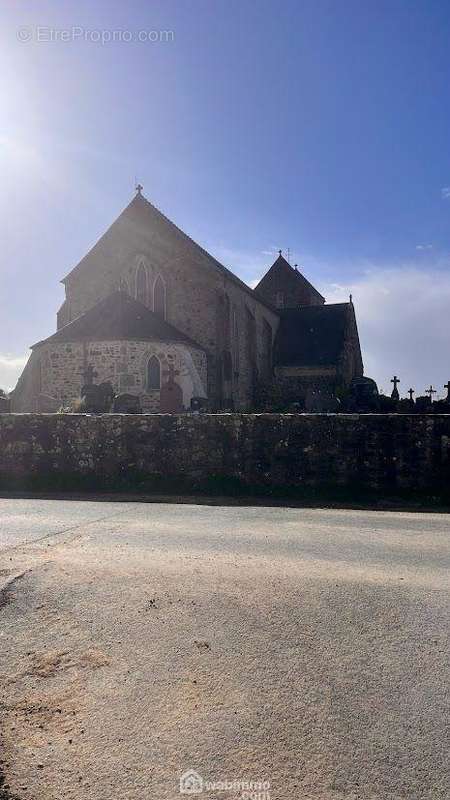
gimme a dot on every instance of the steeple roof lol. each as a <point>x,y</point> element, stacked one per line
<point>284,278</point>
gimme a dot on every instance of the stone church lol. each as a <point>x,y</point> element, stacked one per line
<point>147,308</point>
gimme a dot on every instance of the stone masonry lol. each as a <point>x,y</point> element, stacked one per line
<point>283,452</point>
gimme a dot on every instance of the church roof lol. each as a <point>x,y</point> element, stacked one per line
<point>115,318</point>
<point>137,216</point>
<point>312,335</point>
<point>281,269</point>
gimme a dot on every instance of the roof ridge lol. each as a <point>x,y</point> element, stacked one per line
<point>221,266</point>
<point>116,304</point>
<point>139,199</point>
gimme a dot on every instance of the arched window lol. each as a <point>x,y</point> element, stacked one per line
<point>159,297</point>
<point>154,374</point>
<point>141,284</point>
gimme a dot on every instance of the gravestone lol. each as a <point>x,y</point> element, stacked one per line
<point>362,397</point>
<point>423,405</point>
<point>171,398</point>
<point>126,404</point>
<point>387,405</point>
<point>320,401</point>
<point>5,404</point>
<point>171,394</point>
<point>199,404</point>
<point>405,406</point>
<point>96,399</point>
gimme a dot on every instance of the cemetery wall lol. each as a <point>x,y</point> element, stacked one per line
<point>266,453</point>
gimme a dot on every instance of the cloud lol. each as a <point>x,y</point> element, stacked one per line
<point>404,324</point>
<point>424,246</point>
<point>10,369</point>
<point>445,192</point>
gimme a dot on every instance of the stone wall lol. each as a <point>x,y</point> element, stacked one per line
<point>57,368</point>
<point>263,452</point>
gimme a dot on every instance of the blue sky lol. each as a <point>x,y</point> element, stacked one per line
<point>323,127</point>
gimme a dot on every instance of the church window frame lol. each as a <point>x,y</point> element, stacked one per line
<point>153,380</point>
<point>159,281</point>
<point>141,291</point>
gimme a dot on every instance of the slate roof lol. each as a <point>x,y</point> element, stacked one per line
<point>118,317</point>
<point>312,335</point>
<point>282,267</point>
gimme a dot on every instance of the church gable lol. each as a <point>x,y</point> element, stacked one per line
<point>128,256</point>
<point>284,286</point>
<point>140,246</point>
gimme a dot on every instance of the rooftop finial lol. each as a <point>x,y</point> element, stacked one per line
<point>351,298</point>
<point>139,189</point>
<point>279,252</point>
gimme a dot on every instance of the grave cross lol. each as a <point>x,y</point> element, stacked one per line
<point>447,386</point>
<point>395,395</point>
<point>171,372</point>
<point>430,391</point>
<point>411,392</point>
<point>89,374</point>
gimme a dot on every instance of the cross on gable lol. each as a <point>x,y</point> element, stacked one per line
<point>411,392</point>
<point>395,381</point>
<point>430,391</point>
<point>139,189</point>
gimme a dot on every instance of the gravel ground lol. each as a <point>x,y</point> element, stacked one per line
<point>307,648</point>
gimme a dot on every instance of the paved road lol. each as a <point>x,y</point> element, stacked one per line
<point>307,648</point>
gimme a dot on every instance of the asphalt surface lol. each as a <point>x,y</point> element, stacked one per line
<point>305,648</point>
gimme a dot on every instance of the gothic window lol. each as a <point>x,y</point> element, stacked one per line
<point>159,297</point>
<point>141,284</point>
<point>154,374</point>
<point>279,300</point>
